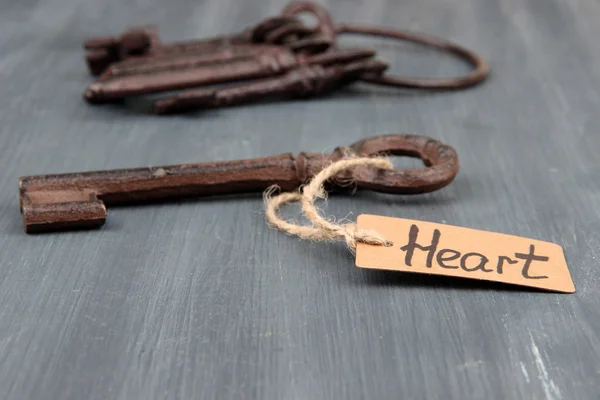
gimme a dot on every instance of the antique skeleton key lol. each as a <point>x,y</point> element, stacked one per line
<point>79,200</point>
<point>304,81</point>
<point>143,43</point>
<point>190,71</point>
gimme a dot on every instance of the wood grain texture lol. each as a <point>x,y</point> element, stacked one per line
<point>200,300</point>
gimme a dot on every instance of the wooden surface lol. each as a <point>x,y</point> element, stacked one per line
<point>200,300</point>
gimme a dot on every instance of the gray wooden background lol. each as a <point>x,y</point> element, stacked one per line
<point>200,300</point>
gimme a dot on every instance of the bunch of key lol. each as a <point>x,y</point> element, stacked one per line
<point>280,56</point>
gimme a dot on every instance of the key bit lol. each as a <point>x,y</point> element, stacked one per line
<point>79,200</point>
<point>304,81</point>
<point>272,61</point>
<point>101,52</point>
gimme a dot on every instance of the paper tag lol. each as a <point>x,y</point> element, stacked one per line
<point>438,249</point>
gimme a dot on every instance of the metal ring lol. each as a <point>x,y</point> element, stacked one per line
<point>480,72</point>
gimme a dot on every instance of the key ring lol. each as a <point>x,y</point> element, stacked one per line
<point>480,66</point>
<point>328,28</point>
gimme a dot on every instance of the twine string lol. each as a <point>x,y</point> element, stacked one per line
<point>323,229</point>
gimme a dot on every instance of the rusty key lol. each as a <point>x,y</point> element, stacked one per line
<point>143,43</point>
<point>215,54</point>
<point>304,81</point>
<point>133,66</point>
<point>79,200</point>
<point>272,61</point>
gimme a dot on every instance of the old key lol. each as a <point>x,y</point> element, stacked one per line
<point>306,80</point>
<point>255,53</point>
<point>141,44</point>
<point>187,72</point>
<point>79,200</point>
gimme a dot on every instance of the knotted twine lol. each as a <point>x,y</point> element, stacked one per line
<point>323,229</point>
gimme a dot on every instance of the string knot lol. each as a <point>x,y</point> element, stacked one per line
<point>323,229</point>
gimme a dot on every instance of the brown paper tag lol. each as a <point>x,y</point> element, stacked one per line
<point>438,249</point>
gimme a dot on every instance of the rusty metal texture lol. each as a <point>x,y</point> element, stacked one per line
<point>113,87</point>
<point>143,43</point>
<point>79,200</point>
<point>306,80</point>
<point>190,59</point>
<point>179,73</point>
